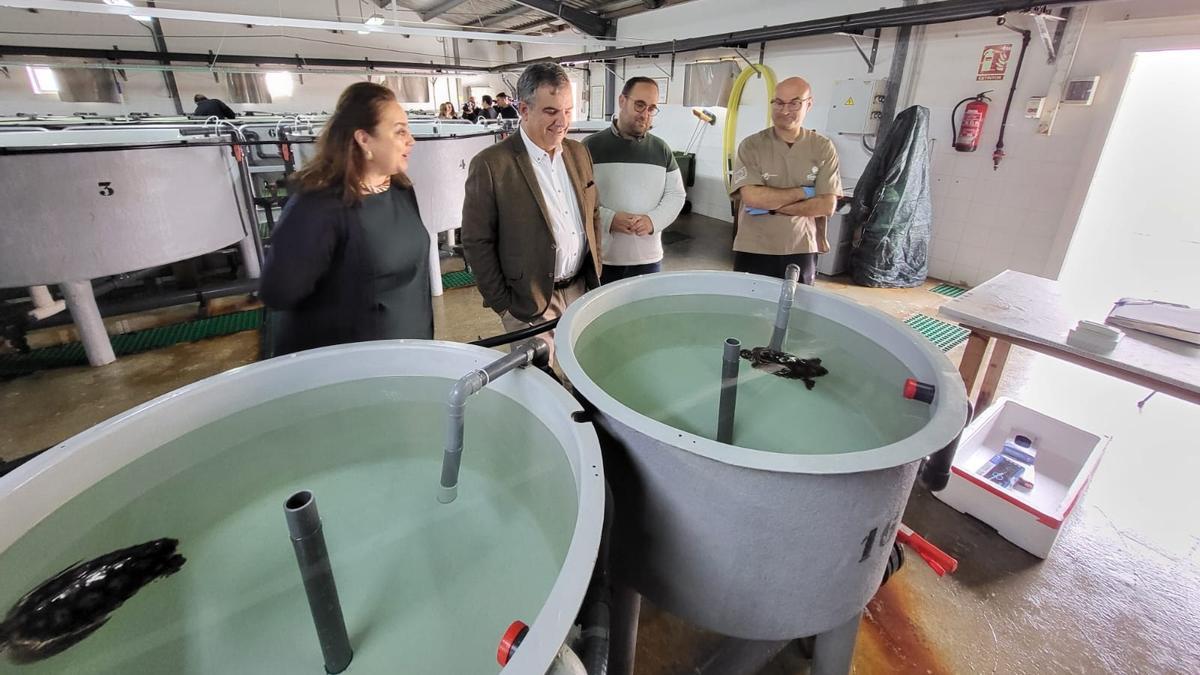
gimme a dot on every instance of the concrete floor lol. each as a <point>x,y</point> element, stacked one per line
<point>1120,593</point>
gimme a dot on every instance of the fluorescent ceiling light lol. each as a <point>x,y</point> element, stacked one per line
<point>127,3</point>
<point>279,84</point>
<point>363,32</point>
<point>42,79</point>
<point>374,20</point>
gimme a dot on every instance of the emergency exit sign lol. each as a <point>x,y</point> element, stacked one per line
<point>994,62</point>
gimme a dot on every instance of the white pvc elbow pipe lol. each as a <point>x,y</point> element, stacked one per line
<point>567,663</point>
<point>44,304</point>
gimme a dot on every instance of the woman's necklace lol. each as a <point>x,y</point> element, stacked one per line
<point>376,189</point>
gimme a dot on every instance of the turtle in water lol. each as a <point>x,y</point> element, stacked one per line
<point>77,601</point>
<point>786,365</point>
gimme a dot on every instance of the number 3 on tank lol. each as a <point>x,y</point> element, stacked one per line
<point>105,188</point>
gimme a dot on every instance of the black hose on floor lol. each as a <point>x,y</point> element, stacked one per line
<point>517,335</point>
<point>935,469</point>
<point>8,467</point>
<point>597,607</point>
<point>895,562</point>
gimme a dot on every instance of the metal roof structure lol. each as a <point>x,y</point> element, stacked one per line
<point>593,17</point>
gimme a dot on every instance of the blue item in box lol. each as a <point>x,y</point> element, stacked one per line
<point>1020,448</point>
<point>1002,471</point>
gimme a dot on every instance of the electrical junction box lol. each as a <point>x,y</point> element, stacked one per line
<point>857,106</point>
<point>1080,92</point>
<point>1033,109</point>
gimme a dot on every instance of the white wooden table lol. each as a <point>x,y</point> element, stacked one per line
<point>1020,309</point>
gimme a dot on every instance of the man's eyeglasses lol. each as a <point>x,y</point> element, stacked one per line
<point>792,105</point>
<point>642,106</point>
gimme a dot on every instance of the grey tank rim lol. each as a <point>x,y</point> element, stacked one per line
<point>926,361</point>
<point>37,488</point>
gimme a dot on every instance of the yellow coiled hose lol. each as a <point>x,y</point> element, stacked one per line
<point>735,100</point>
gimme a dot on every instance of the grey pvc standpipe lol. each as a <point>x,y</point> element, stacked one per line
<point>786,296</point>
<point>833,650</point>
<point>82,304</point>
<point>456,405</point>
<point>308,541</point>
<point>622,645</point>
<point>730,360</point>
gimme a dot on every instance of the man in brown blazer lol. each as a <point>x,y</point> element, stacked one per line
<point>530,217</point>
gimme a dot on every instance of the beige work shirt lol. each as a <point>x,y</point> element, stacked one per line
<point>764,159</point>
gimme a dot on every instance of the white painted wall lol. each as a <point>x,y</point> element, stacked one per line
<point>1019,217</point>
<point>820,60</point>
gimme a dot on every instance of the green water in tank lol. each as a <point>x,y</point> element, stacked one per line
<point>662,358</point>
<point>425,587</point>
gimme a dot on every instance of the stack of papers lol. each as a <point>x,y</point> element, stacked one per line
<point>1161,318</point>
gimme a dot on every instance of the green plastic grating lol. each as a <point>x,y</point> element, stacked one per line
<point>948,290</point>
<point>457,280</point>
<point>72,354</point>
<point>946,336</point>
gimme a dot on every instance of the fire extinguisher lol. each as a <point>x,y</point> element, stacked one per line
<point>966,135</point>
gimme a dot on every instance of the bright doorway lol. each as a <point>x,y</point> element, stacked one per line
<point>1139,231</point>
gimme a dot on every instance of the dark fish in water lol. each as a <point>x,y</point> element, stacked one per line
<point>786,365</point>
<point>77,601</point>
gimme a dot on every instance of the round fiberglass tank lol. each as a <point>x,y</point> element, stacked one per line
<point>438,168</point>
<point>78,205</point>
<point>583,128</point>
<point>784,533</point>
<point>425,588</point>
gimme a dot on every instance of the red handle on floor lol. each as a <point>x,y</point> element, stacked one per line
<point>937,559</point>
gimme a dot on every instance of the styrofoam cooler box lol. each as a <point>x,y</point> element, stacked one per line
<point>1066,459</point>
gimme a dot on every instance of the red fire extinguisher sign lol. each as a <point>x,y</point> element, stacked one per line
<point>993,63</point>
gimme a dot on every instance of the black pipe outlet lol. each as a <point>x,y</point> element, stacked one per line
<point>935,469</point>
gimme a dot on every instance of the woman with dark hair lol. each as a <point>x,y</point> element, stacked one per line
<point>349,259</point>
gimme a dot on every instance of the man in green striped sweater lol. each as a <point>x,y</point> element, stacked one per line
<point>641,187</point>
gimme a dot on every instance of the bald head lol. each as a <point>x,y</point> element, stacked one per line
<point>793,100</point>
<point>793,87</point>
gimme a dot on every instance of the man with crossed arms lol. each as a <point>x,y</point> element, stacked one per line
<point>786,180</point>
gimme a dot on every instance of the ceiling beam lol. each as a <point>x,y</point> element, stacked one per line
<point>585,21</point>
<point>536,23</point>
<point>496,19</point>
<point>946,11</point>
<point>617,10</point>
<point>288,22</point>
<point>439,9</point>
